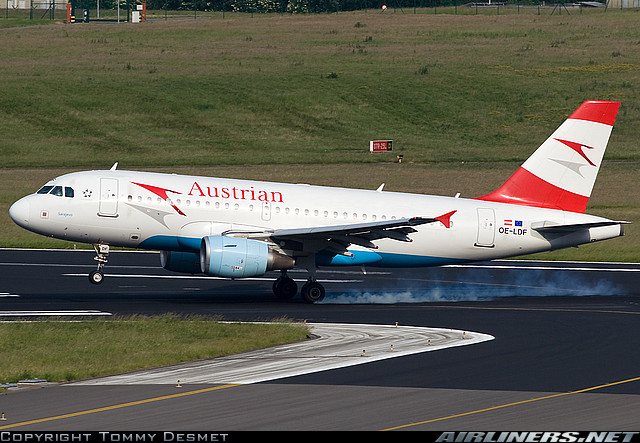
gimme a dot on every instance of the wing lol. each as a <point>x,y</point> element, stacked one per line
<point>337,238</point>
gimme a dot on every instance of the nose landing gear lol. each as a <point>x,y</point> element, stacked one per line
<point>102,253</point>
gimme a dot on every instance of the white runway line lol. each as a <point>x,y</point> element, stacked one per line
<point>52,313</point>
<point>548,268</point>
<point>202,277</point>
<point>337,346</point>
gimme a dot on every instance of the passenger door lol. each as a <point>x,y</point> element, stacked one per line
<point>108,197</point>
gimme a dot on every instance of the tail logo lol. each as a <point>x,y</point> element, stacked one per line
<point>577,147</point>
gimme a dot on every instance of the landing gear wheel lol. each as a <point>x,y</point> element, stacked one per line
<point>96,277</point>
<point>285,288</point>
<point>102,254</point>
<point>312,292</point>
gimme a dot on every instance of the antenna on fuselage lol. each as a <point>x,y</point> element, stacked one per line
<point>114,167</point>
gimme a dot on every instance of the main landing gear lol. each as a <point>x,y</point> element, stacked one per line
<point>312,291</point>
<point>102,253</point>
<point>286,288</point>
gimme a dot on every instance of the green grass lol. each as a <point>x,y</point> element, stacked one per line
<point>310,89</point>
<point>64,351</point>
<point>466,98</point>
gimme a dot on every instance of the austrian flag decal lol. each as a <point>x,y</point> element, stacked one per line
<point>513,223</point>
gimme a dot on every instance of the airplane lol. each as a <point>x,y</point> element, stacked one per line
<point>237,229</point>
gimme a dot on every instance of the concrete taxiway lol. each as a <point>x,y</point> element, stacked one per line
<point>334,346</point>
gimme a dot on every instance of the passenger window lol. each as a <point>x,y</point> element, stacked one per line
<point>68,192</point>
<point>57,190</point>
<point>45,190</point>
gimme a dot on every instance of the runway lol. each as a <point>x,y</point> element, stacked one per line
<point>563,359</point>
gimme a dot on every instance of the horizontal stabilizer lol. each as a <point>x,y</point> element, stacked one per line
<point>552,227</point>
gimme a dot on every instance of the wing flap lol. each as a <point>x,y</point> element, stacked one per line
<point>356,229</point>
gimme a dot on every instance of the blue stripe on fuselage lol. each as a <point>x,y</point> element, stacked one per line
<point>369,258</point>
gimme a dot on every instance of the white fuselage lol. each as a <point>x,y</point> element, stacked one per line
<point>174,212</point>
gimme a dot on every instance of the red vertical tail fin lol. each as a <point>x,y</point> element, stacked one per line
<point>561,173</point>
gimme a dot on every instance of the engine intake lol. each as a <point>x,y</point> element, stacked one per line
<point>222,256</point>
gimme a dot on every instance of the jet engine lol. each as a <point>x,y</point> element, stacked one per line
<point>187,262</point>
<point>223,256</point>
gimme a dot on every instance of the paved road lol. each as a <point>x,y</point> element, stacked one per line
<point>564,354</point>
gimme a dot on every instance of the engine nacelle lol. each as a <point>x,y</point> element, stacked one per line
<point>187,262</point>
<point>222,256</point>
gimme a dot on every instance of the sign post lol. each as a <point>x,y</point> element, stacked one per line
<point>380,145</point>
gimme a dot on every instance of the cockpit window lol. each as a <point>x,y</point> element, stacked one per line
<point>57,191</point>
<point>45,189</point>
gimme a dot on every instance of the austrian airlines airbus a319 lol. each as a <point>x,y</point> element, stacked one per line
<point>238,228</point>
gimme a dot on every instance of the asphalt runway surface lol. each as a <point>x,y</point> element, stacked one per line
<point>564,354</point>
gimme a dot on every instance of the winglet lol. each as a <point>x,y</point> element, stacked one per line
<point>445,219</point>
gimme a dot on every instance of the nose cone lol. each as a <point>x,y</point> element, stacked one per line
<point>19,212</point>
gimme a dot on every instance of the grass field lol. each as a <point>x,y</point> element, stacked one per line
<point>64,351</point>
<point>466,98</point>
